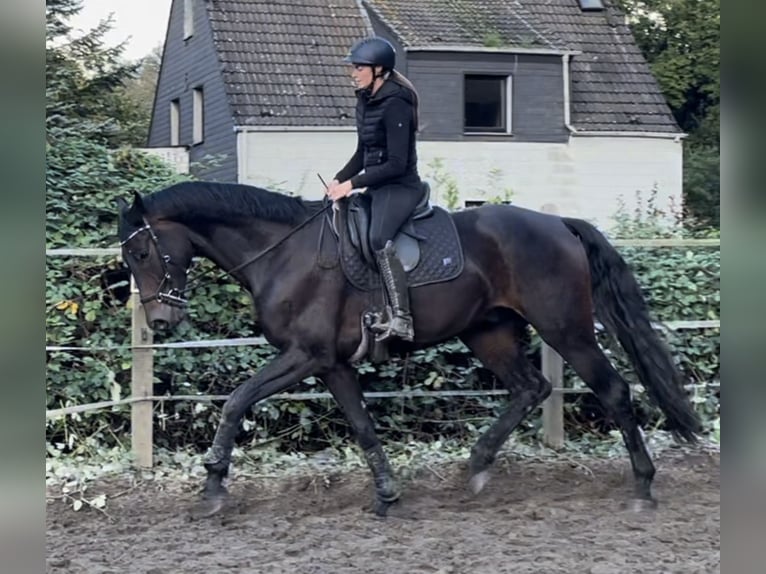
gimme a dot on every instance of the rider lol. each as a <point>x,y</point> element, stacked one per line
<point>386,123</point>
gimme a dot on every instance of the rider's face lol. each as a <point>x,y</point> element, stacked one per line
<point>362,75</point>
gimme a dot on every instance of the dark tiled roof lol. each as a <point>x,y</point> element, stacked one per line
<point>282,59</point>
<point>612,86</point>
<point>493,23</point>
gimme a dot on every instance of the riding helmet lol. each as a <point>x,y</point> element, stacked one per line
<point>372,51</point>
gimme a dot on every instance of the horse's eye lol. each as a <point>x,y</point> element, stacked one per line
<point>139,255</point>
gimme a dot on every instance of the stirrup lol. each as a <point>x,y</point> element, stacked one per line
<point>399,327</point>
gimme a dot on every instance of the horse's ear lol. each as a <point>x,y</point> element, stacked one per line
<point>133,214</point>
<point>138,203</point>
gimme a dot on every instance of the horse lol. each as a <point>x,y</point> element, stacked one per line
<point>521,268</point>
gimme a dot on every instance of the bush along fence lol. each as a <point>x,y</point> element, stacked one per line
<point>97,367</point>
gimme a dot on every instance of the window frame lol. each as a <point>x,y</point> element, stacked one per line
<point>591,5</point>
<point>470,203</point>
<point>507,105</point>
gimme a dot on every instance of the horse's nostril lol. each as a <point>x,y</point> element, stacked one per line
<point>160,325</point>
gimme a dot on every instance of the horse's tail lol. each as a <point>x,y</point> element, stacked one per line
<point>622,309</point>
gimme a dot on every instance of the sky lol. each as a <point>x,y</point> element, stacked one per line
<point>141,22</point>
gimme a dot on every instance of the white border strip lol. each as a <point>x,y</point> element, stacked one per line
<point>488,50</point>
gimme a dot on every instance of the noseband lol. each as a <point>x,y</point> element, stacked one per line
<point>171,296</point>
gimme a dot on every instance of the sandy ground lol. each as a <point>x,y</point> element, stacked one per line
<point>533,517</point>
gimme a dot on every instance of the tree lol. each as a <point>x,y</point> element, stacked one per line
<point>137,97</point>
<point>680,40</point>
<point>90,114</point>
<point>84,76</point>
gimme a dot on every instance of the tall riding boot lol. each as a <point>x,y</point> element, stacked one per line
<point>395,281</point>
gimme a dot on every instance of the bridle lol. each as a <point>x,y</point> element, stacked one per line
<point>174,297</point>
<point>171,296</point>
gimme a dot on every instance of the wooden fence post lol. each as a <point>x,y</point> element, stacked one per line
<point>141,384</point>
<point>553,370</point>
<point>553,406</point>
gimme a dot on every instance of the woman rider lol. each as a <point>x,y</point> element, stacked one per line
<point>386,123</point>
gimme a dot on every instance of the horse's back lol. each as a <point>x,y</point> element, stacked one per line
<point>512,224</point>
<point>526,255</point>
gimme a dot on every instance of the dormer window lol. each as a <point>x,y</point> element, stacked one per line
<point>487,104</point>
<point>591,5</point>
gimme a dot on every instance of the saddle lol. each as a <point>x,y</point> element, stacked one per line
<point>406,241</point>
<point>427,244</point>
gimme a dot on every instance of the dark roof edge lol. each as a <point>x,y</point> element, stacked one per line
<point>293,128</point>
<point>366,17</point>
<point>364,6</point>
<point>627,134</point>
<point>488,50</point>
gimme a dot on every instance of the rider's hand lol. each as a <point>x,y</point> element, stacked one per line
<point>337,190</point>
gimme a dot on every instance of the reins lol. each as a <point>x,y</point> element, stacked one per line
<point>273,246</point>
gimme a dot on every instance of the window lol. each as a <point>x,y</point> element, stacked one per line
<point>469,203</point>
<point>487,104</point>
<point>591,5</point>
<point>175,122</point>
<point>198,111</point>
<point>188,18</point>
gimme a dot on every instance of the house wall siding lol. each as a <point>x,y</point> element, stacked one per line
<point>289,161</point>
<point>537,112</point>
<point>187,64</point>
<point>537,90</point>
<point>585,177</point>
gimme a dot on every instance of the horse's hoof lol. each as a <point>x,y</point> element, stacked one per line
<point>478,481</point>
<point>209,506</point>
<point>640,504</point>
<point>380,507</point>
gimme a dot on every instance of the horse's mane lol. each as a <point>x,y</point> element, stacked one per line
<point>212,201</point>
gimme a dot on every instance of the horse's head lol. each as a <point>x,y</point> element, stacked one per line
<point>158,255</point>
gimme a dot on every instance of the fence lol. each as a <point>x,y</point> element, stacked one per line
<point>142,398</point>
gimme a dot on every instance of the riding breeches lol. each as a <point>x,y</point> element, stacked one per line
<point>391,206</point>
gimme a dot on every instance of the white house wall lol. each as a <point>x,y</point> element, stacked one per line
<point>582,178</point>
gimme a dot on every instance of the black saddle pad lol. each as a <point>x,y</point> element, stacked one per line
<point>441,255</point>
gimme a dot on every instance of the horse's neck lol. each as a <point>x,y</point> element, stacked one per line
<point>238,247</point>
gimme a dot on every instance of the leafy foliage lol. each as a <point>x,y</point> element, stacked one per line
<point>85,79</point>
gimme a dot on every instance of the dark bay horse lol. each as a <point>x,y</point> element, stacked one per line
<point>521,268</point>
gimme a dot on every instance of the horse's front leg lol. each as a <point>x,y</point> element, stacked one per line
<point>344,386</point>
<point>284,371</point>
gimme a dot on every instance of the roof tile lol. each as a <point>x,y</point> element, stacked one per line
<point>282,59</point>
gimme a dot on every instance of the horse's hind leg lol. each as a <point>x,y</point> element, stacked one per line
<point>590,363</point>
<point>498,347</point>
<point>344,386</point>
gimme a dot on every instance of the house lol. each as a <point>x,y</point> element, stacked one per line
<point>545,102</point>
